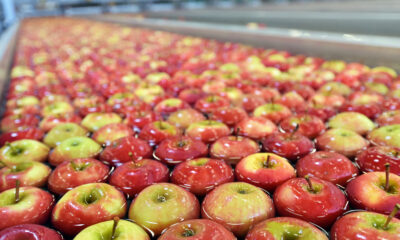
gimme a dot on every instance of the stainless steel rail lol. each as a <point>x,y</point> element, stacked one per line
<point>371,50</point>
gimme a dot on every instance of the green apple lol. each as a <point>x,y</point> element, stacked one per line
<point>73,148</point>
<point>23,150</point>
<point>124,230</point>
<point>375,87</point>
<point>387,135</point>
<point>335,88</point>
<point>354,121</point>
<point>94,121</point>
<point>62,132</point>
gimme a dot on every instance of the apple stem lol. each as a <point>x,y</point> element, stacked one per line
<point>310,186</point>
<point>17,184</point>
<point>74,165</point>
<point>267,163</point>
<point>296,128</point>
<point>396,154</point>
<point>391,216</point>
<point>237,133</point>
<point>387,172</point>
<point>116,220</point>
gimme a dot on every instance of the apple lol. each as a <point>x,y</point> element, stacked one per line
<point>201,175</point>
<point>114,230</point>
<point>197,229</point>
<point>255,127</point>
<point>170,105</point>
<point>157,131</point>
<point>354,121</point>
<point>184,117</point>
<point>76,172</point>
<point>207,131</point>
<point>310,126</point>
<point>221,206</point>
<point>86,205</point>
<point>374,159</point>
<point>264,170</point>
<point>111,132</point>
<point>24,205</point>
<point>23,101</point>
<point>29,173</point>
<point>273,111</point>
<point>191,95</point>
<point>388,118</point>
<point>285,228</point>
<point>342,141</point>
<point>310,199</point>
<point>94,121</point>
<point>228,115</point>
<point>210,103</point>
<point>174,150</point>
<point>364,225</point>
<point>57,108</point>
<point>133,177</point>
<point>329,166</point>
<point>160,205</point>
<point>336,88</point>
<point>47,123</point>
<point>62,132</point>
<point>387,135</point>
<point>21,150</point>
<point>29,133</point>
<point>125,149</point>
<point>232,149</point>
<point>17,122</point>
<point>29,232</point>
<point>292,100</point>
<point>375,191</point>
<point>250,102</point>
<point>73,148</point>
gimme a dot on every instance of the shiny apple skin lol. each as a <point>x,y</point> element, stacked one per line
<point>309,125</point>
<point>13,123</point>
<point>64,177</point>
<point>157,131</point>
<point>203,230</point>
<point>29,232</point>
<point>292,199</point>
<point>357,226</point>
<point>139,119</point>
<point>118,152</point>
<point>388,118</point>
<point>37,210</point>
<point>49,122</point>
<point>111,132</point>
<point>70,215</point>
<point>261,232</point>
<point>367,192</point>
<point>374,159</point>
<point>229,115</point>
<point>288,145</point>
<point>29,133</point>
<point>211,103</point>
<point>251,169</point>
<point>207,131</point>
<point>232,149</point>
<point>170,152</point>
<point>221,205</point>
<point>329,166</point>
<point>201,175</point>
<point>255,128</point>
<point>372,110</point>
<point>133,177</point>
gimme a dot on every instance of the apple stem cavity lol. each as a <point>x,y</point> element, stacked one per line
<point>387,173</point>
<point>188,233</point>
<point>310,186</point>
<point>17,184</point>
<point>391,216</point>
<point>115,224</point>
<point>296,128</point>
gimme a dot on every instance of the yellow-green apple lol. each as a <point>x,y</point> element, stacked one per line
<point>221,204</point>
<point>329,166</point>
<point>28,173</point>
<point>160,205</point>
<point>375,191</point>
<point>207,131</point>
<point>73,148</point>
<point>27,100</point>
<point>25,205</point>
<point>111,132</point>
<point>342,141</point>
<point>201,175</point>
<point>233,148</point>
<point>388,118</point>
<point>264,170</point>
<point>62,132</point>
<point>76,172</point>
<point>310,199</point>
<point>336,88</point>
<point>273,111</point>
<point>255,127</point>
<point>113,230</point>
<point>354,121</point>
<point>157,131</point>
<point>132,177</point>
<point>23,150</point>
<point>94,121</point>
<point>29,232</point>
<point>374,159</point>
<point>363,225</point>
<point>285,228</point>
<point>197,229</point>
<point>87,205</point>
<point>57,108</point>
<point>183,118</point>
<point>387,135</point>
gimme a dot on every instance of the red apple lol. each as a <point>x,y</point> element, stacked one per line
<point>310,126</point>
<point>374,159</point>
<point>207,131</point>
<point>157,131</point>
<point>211,103</point>
<point>29,133</point>
<point>255,127</point>
<point>29,232</point>
<point>111,132</point>
<point>228,115</point>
